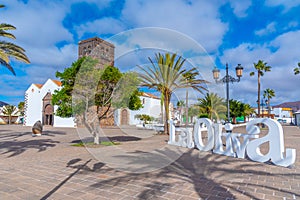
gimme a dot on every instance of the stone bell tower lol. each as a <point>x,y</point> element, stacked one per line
<point>99,49</point>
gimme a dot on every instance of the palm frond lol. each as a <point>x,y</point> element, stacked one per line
<point>8,66</point>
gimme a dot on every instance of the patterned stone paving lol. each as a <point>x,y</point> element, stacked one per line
<point>48,167</point>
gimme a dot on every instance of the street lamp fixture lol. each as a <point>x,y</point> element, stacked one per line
<point>226,79</point>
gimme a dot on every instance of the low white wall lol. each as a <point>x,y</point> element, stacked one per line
<point>63,122</point>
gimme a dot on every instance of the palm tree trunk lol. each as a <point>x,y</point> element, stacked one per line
<point>186,108</point>
<point>269,107</point>
<point>234,120</point>
<point>162,99</point>
<point>167,112</point>
<point>258,92</point>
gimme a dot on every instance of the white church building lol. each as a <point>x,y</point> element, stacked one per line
<point>38,105</point>
<point>151,107</point>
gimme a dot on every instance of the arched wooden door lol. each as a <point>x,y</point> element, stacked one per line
<point>124,117</point>
<point>48,115</point>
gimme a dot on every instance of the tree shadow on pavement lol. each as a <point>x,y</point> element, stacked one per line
<point>53,133</point>
<point>211,176</point>
<point>10,135</point>
<point>14,148</point>
<point>84,168</point>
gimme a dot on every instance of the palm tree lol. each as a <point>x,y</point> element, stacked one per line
<point>269,94</point>
<point>166,75</point>
<point>180,104</point>
<point>189,76</point>
<point>213,106</point>
<point>260,67</point>
<point>236,109</point>
<point>10,50</point>
<point>247,111</point>
<point>9,110</point>
<point>297,69</point>
<point>21,108</point>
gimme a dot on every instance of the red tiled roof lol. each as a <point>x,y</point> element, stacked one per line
<point>38,85</point>
<point>58,83</point>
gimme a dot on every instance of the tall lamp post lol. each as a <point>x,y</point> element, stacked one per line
<point>226,79</point>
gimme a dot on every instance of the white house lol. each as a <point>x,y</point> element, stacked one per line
<point>282,112</point>
<point>38,105</point>
<point>297,118</point>
<point>151,107</point>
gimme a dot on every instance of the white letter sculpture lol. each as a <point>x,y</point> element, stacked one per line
<point>198,134</point>
<point>276,144</point>
<point>250,145</point>
<point>185,138</point>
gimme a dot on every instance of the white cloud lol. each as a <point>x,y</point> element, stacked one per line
<point>199,20</point>
<point>270,28</point>
<point>101,26</point>
<point>292,24</point>
<point>54,56</point>
<point>246,54</point>
<point>39,24</point>
<point>240,7</point>
<point>287,4</point>
<point>288,52</point>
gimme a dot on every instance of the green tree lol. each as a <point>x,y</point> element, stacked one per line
<point>135,102</point>
<point>63,97</point>
<point>236,109</point>
<point>144,117</point>
<point>297,69</point>
<point>106,85</point>
<point>248,110</point>
<point>9,110</point>
<point>260,68</point>
<point>165,75</point>
<point>87,92</point>
<point>21,108</point>
<point>213,106</point>
<point>269,94</point>
<point>10,50</point>
<point>189,78</point>
<point>126,93</point>
<point>193,111</point>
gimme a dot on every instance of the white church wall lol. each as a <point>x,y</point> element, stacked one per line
<point>33,105</point>
<point>63,122</point>
<point>151,107</point>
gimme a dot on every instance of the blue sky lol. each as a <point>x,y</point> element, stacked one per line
<point>230,31</point>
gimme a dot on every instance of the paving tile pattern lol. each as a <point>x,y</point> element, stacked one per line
<point>48,167</point>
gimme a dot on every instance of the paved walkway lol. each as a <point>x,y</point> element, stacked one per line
<point>48,167</point>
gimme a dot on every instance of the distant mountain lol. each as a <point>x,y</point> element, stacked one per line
<point>294,105</point>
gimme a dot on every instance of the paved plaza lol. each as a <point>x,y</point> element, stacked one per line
<point>49,167</point>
